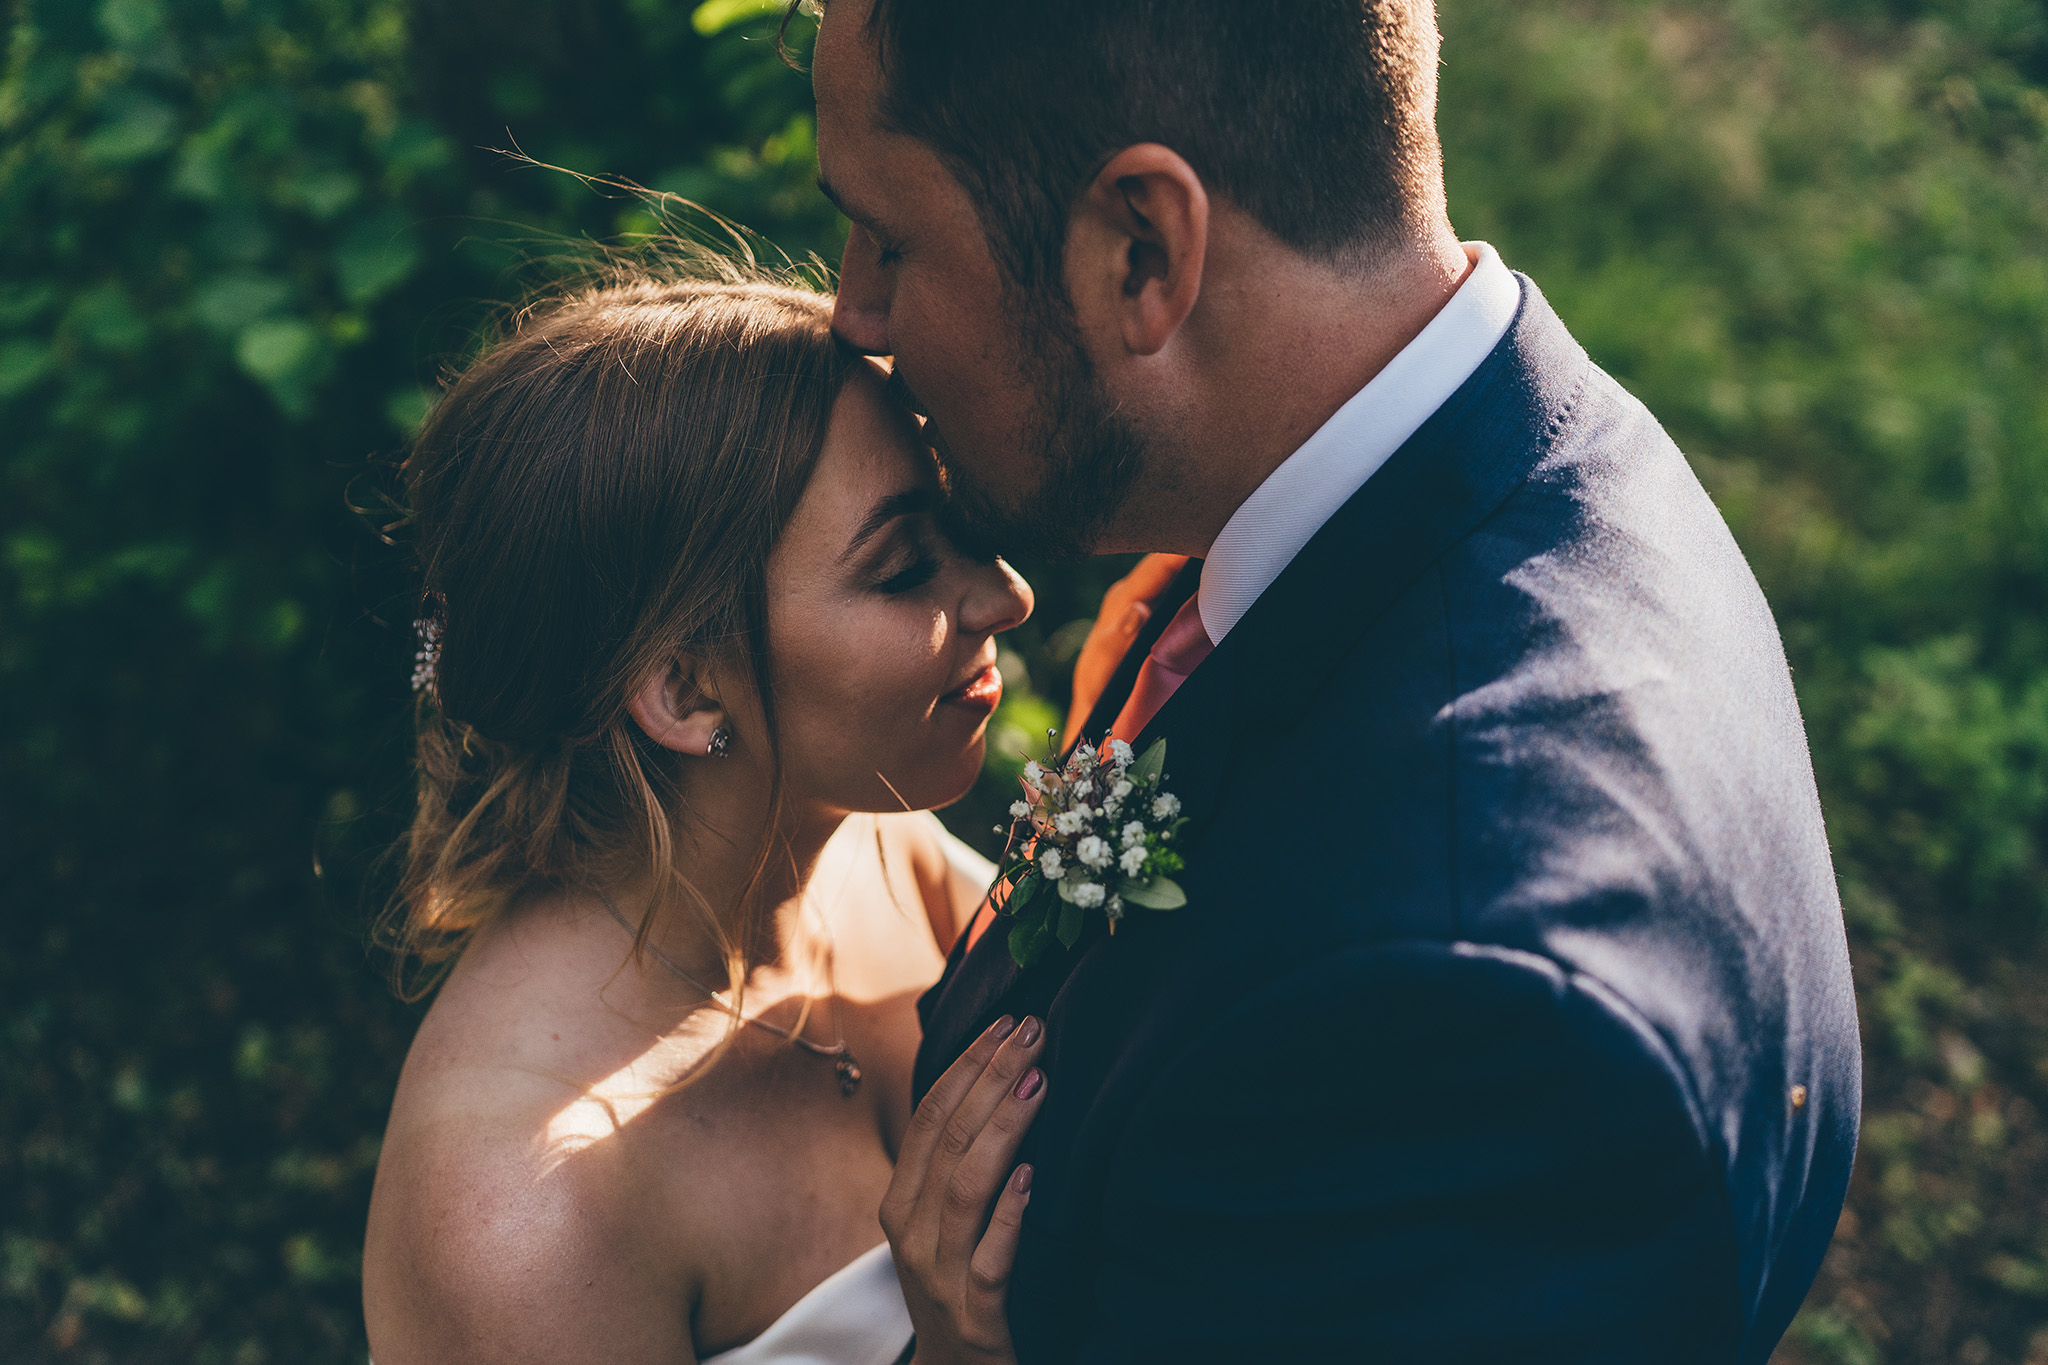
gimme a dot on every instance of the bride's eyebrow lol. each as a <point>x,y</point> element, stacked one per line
<point>901,504</point>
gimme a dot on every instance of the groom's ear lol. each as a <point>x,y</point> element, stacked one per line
<point>675,710</point>
<point>1136,247</point>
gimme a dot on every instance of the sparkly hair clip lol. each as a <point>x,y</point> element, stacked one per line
<point>426,660</point>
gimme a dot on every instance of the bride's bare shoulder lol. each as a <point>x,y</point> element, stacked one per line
<point>504,1225</point>
<point>487,1243</point>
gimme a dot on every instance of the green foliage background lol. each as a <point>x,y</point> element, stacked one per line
<point>238,238</point>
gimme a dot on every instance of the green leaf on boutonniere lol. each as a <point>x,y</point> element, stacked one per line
<point>1021,893</point>
<point>1066,890</point>
<point>1028,939</point>
<point>1154,893</point>
<point>1070,924</point>
<point>1150,764</point>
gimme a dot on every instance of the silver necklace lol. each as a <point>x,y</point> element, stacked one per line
<point>845,1065</point>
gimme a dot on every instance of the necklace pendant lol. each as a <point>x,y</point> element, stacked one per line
<point>848,1071</point>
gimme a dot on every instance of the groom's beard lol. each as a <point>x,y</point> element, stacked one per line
<point>1091,456</point>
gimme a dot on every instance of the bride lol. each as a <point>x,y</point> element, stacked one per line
<point>696,647</point>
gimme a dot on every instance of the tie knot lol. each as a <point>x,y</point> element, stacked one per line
<point>1181,646</point>
<point>1184,643</point>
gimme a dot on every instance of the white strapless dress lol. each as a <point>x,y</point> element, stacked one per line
<point>856,1317</point>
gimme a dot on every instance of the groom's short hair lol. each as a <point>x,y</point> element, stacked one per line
<point>1316,117</point>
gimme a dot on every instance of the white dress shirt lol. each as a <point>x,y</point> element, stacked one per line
<point>1269,528</point>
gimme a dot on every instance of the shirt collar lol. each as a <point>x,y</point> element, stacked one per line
<point>1284,513</point>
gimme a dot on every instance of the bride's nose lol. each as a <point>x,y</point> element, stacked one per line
<point>998,599</point>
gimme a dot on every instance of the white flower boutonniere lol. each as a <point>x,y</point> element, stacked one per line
<point>1096,830</point>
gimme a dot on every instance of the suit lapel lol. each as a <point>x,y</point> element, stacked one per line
<point>965,996</point>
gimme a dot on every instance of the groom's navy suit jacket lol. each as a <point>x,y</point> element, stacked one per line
<point>1509,1018</point>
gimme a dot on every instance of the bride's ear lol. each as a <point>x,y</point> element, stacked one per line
<point>675,710</point>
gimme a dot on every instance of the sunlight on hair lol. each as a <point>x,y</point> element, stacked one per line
<point>681,239</point>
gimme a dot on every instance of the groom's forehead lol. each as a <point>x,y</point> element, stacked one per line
<point>846,68</point>
<point>866,168</point>
<point>845,76</point>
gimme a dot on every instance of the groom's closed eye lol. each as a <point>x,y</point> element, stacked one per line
<point>846,211</point>
<point>888,251</point>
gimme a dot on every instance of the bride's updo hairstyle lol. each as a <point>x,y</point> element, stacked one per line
<point>596,493</point>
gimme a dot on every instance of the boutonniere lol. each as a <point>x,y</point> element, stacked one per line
<point>1094,833</point>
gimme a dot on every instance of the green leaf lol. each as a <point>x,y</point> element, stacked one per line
<point>134,24</point>
<point>321,191</point>
<point>231,302</point>
<point>415,149</point>
<point>108,317</point>
<point>1154,893</point>
<point>1150,764</point>
<point>716,16</point>
<point>273,351</point>
<point>1029,938</point>
<point>140,127</point>
<point>23,361</point>
<point>1066,889</point>
<point>284,353</point>
<point>1022,891</point>
<point>406,408</point>
<point>21,304</point>
<point>375,258</point>
<point>1070,924</point>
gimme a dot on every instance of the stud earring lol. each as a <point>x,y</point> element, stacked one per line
<point>720,745</point>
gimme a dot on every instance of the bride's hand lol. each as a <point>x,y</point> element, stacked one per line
<point>953,1256</point>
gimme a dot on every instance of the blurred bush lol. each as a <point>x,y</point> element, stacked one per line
<point>239,238</point>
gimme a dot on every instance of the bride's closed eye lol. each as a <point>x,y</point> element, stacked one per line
<point>909,566</point>
<point>893,550</point>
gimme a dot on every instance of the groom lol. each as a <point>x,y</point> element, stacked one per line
<point>1509,1018</point>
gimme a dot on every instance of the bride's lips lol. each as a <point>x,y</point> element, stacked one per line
<point>979,693</point>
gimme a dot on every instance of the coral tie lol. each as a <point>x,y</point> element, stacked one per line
<point>1181,646</point>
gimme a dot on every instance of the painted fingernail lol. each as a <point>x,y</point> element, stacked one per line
<point>1003,1027</point>
<point>1029,1033</point>
<point>1028,1087</point>
<point>1021,1182</point>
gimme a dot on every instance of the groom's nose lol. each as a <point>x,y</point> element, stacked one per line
<point>860,310</point>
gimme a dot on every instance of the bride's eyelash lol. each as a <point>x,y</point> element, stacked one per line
<point>922,568</point>
<point>920,571</point>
